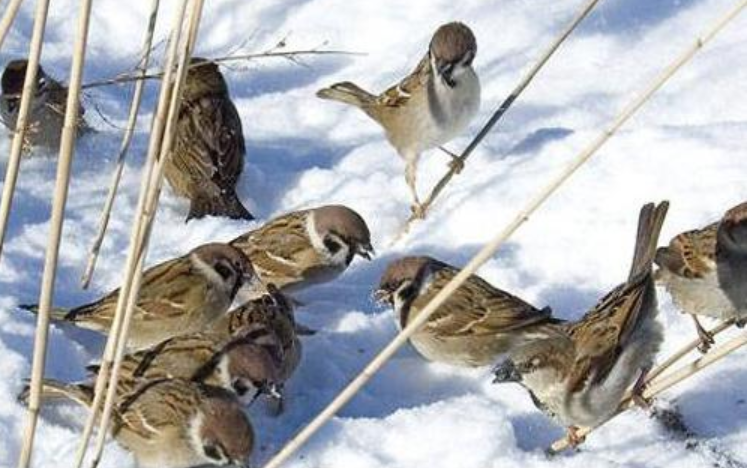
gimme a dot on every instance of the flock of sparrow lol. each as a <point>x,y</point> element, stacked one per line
<point>193,363</point>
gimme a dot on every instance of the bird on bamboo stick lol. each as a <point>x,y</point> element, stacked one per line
<point>176,423</point>
<point>579,375</point>
<point>47,113</point>
<point>705,271</point>
<point>178,296</point>
<point>208,155</point>
<point>473,327</point>
<point>307,247</point>
<point>429,107</point>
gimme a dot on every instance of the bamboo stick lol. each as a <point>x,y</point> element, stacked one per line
<point>665,383</point>
<point>8,18</point>
<point>146,221</point>
<point>491,247</point>
<point>67,143</point>
<point>29,88</point>
<point>134,262</point>
<point>126,140</point>
<point>505,105</point>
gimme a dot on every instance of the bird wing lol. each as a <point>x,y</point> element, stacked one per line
<point>691,254</point>
<point>156,407</point>
<point>399,94</point>
<point>479,309</point>
<point>178,357</point>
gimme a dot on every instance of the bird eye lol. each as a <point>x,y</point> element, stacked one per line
<point>332,245</point>
<point>224,271</point>
<point>240,387</point>
<point>213,452</point>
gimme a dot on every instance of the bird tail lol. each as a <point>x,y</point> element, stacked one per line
<point>227,205</point>
<point>650,221</point>
<point>59,314</point>
<point>80,393</point>
<point>349,93</point>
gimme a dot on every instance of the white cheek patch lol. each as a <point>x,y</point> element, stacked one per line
<point>195,439</point>
<point>208,272</point>
<point>339,258</point>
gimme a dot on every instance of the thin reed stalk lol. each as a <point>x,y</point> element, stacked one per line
<point>64,163</point>
<point>491,247</point>
<point>8,18</point>
<point>126,140</point>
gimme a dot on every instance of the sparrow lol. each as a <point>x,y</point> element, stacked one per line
<point>208,155</point>
<point>475,325</point>
<point>307,247</point>
<point>430,106</point>
<point>579,374</point>
<point>705,271</point>
<point>178,296</point>
<point>271,314</point>
<point>176,423</point>
<point>47,114</point>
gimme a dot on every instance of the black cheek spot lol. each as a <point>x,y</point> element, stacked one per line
<point>332,245</point>
<point>224,271</point>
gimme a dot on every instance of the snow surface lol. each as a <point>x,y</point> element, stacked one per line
<point>686,146</point>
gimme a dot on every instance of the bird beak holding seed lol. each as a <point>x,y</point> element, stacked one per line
<point>506,372</point>
<point>382,296</point>
<point>366,251</point>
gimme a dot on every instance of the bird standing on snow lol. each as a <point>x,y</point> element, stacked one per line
<point>47,114</point>
<point>178,296</point>
<point>705,271</point>
<point>579,376</point>
<point>429,107</point>
<point>473,327</point>
<point>208,155</point>
<point>306,247</point>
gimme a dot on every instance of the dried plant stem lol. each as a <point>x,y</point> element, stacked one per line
<point>687,349</point>
<point>64,163</point>
<point>19,135</point>
<point>491,247</point>
<point>660,385</point>
<point>134,261</point>
<point>139,248</point>
<point>126,140</point>
<point>498,114</point>
<point>7,20</point>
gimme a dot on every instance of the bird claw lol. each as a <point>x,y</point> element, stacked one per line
<point>574,438</point>
<point>456,164</point>
<point>418,211</point>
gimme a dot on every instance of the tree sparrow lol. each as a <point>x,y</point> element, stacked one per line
<point>473,327</point>
<point>705,271</point>
<point>47,113</point>
<point>579,375</point>
<point>178,296</point>
<point>306,247</point>
<point>208,154</point>
<point>429,107</point>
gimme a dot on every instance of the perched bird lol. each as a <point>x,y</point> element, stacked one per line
<point>306,247</point>
<point>579,375</point>
<point>47,113</point>
<point>473,327</point>
<point>175,423</point>
<point>430,106</point>
<point>208,155</point>
<point>705,271</point>
<point>178,296</point>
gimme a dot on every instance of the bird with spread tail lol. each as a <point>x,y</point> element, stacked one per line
<point>579,375</point>
<point>430,106</point>
<point>47,114</point>
<point>208,156</point>
<point>473,327</point>
<point>705,271</point>
<point>178,296</point>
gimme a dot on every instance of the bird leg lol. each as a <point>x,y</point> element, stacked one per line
<point>573,437</point>
<point>418,211</point>
<point>636,393</point>
<point>457,163</point>
<point>706,338</point>
<point>740,323</point>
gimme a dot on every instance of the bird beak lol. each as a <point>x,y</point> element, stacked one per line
<point>382,296</point>
<point>506,372</point>
<point>273,390</point>
<point>366,251</point>
<point>444,71</point>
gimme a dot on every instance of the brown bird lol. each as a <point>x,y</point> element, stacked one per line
<point>47,113</point>
<point>175,423</point>
<point>705,271</point>
<point>208,155</point>
<point>306,247</point>
<point>473,327</point>
<point>177,296</point>
<point>579,374</point>
<point>430,106</point>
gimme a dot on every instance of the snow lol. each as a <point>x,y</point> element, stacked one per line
<point>686,145</point>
